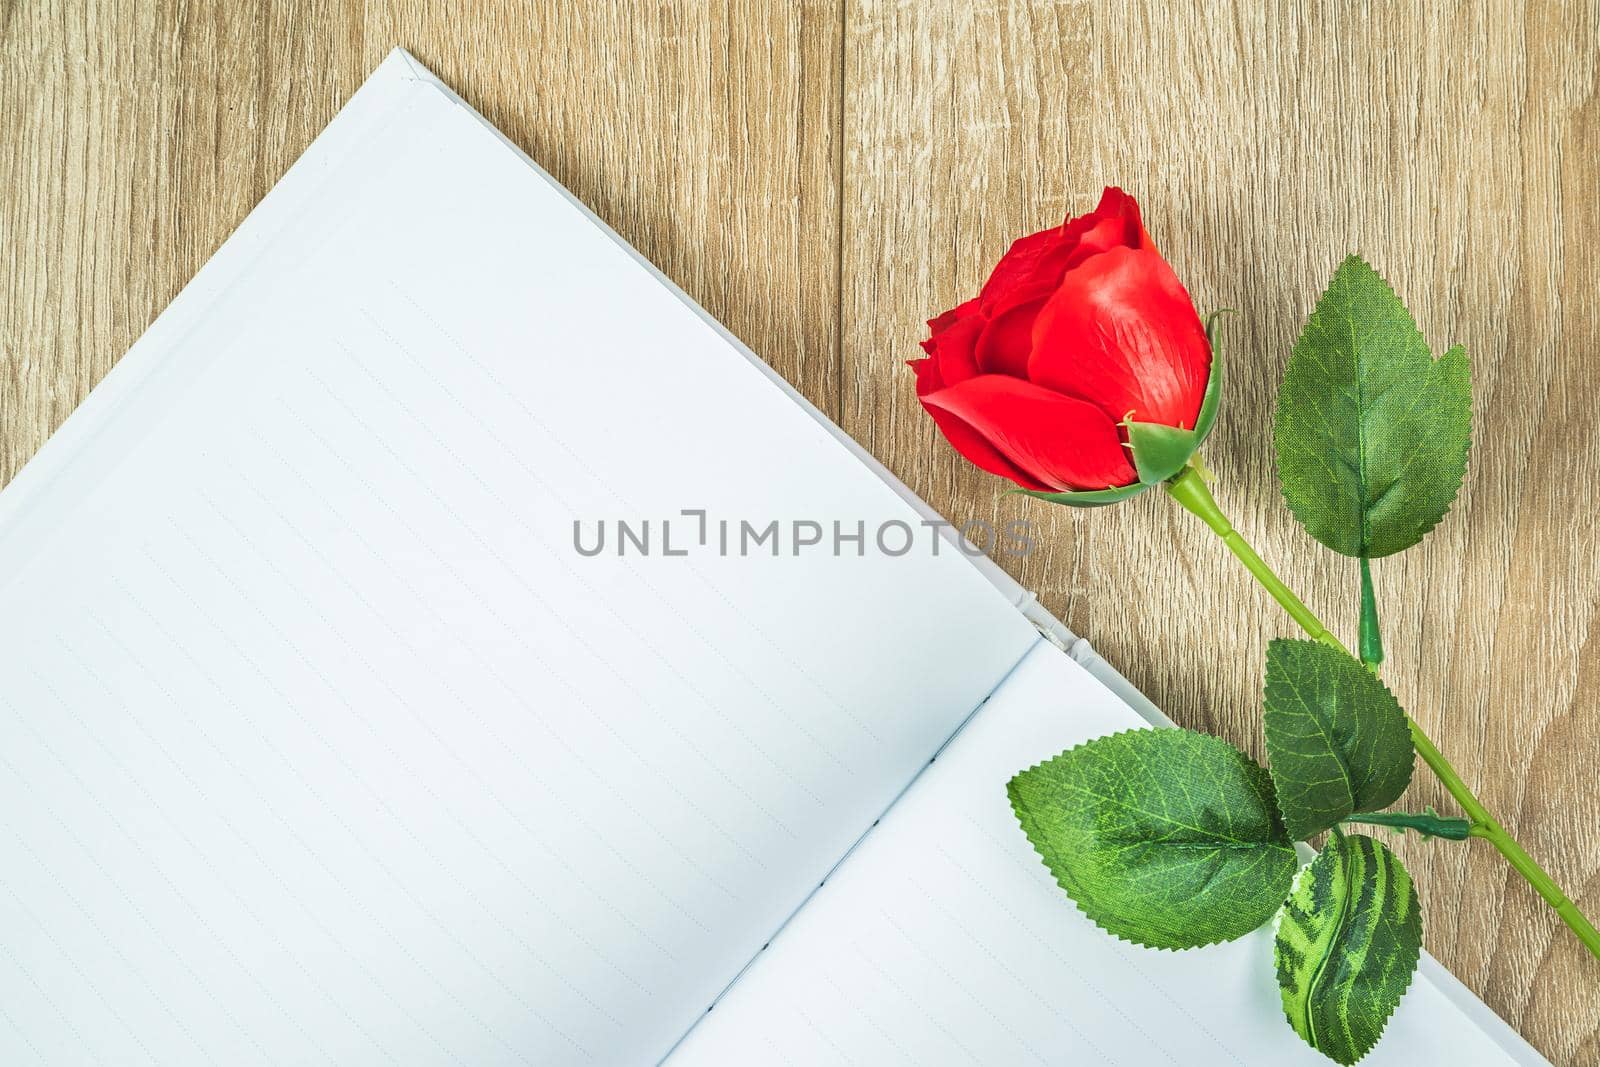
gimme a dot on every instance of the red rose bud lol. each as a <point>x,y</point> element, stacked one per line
<point>1081,371</point>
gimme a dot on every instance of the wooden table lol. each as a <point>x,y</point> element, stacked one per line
<point>823,176</point>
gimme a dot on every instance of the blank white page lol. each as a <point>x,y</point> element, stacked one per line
<point>319,741</point>
<point>943,939</point>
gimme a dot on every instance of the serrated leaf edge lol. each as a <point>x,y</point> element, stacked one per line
<point>1076,903</point>
<point>1466,462</point>
<point>1411,975</point>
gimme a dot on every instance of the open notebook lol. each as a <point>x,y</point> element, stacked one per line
<point>322,742</point>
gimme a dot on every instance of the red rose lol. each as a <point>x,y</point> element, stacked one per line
<point>1082,364</point>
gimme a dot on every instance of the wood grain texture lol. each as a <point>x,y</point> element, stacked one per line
<point>134,137</point>
<point>824,176</point>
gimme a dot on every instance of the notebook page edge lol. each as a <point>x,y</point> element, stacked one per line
<point>865,834</point>
<point>230,263</point>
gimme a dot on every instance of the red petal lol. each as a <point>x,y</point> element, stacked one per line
<point>980,453</point>
<point>1102,238</point>
<point>954,340</point>
<point>955,349</point>
<point>938,325</point>
<point>1030,267</point>
<point>927,371</point>
<point>1114,222</point>
<point>1005,343</point>
<point>1034,265</point>
<point>1122,332</point>
<point>1039,439</point>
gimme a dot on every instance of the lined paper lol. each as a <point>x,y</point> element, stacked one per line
<point>321,743</point>
<point>944,940</point>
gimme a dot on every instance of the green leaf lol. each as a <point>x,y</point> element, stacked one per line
<point>1167,838</point>
<point>1337,741</point>
<point>1372,432</point>
<point>1347,945</point>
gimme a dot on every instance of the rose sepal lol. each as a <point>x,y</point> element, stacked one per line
<point>1087,498</point>
<point>1213,394</point>
<point>1159,452</point>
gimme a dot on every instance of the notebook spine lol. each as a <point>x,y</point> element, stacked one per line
<point>1053,629</point>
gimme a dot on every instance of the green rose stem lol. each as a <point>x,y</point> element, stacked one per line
<point>1189,489</point>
